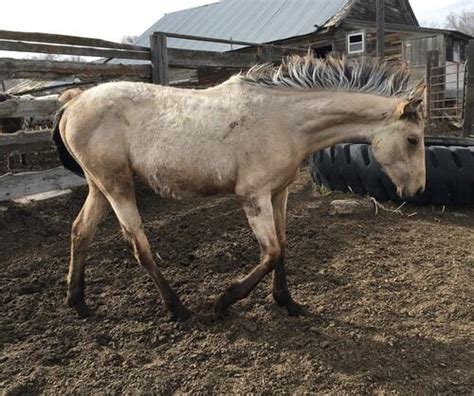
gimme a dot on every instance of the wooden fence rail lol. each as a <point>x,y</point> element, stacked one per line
<point>65,39</point>
<point>23,142</point>
<point>45,106</point>
<point>20,46</point>
<point>53,70</point>
<point>19,185</point>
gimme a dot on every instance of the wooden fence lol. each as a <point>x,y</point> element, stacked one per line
<point>160,59</point>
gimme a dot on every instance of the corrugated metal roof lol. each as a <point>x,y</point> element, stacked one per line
<point>257,21</point>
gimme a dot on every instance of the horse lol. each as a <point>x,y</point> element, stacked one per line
<point>246,137</point>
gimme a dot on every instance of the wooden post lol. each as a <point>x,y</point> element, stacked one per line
<point>429,65</point>
<point>159,59</point>
<point>469,93</point>
<point>264,54</point>
<point>380,28</point>
<point>432,83</point>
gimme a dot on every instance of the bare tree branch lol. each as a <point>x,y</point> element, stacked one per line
<point>463,21</point>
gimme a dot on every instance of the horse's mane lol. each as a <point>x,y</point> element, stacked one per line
<point>333,73</point>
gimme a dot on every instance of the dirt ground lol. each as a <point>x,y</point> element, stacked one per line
<point>389,300</point>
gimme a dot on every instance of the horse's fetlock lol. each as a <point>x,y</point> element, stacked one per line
<point>272,256</point>
<point>282,297</point>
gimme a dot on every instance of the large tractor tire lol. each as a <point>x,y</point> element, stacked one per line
<point>352,167</point>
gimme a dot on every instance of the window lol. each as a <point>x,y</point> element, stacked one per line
<point>355,43</point>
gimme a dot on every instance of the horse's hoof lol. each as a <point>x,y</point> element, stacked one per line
<point>181,313</point>
<point>221,307</point>
<point>295,309</point>
<point>82,310</point>
<point>80,306</point>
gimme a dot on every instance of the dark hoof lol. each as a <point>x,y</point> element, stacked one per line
<point>221,306</point>
<point>295,309</point>
<point>80,306</point>
<point>180,313</point>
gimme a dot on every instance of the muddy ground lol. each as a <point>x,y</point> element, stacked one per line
<point>388,299</point>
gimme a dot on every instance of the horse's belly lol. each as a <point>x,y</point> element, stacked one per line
<point>187,183</point>
<point>185,162</point>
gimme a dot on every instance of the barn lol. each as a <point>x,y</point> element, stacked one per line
<point>339,26</point>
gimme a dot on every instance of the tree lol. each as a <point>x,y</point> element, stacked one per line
<point>56,57</point>
<point>463,22</point>
<point>129,39</point>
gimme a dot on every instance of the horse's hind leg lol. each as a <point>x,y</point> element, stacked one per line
<point>122,199</point>
<point>83,231</point>
<point>281,293</point>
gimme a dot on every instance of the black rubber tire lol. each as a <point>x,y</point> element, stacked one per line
<point>449,172</point>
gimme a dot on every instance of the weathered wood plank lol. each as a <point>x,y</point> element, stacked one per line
<point>380,28</point>
<point>71,50</point>
<point>159,59</point>
<point>189,59</point>
<point>25,142</point>
<point>396,11</point>
<point>19,185</point>
<point>50,70</point>
<point>235,42</point>
<point>28,107</point>
<point>469,95</point>
<point>42,196</point>
<point>65,39</point>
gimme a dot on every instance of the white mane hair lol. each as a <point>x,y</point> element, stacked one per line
<point>333,73</point>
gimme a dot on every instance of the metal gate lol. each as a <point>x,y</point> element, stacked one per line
<point>446,93</point>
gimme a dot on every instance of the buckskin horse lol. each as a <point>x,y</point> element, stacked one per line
<point>247,137</point>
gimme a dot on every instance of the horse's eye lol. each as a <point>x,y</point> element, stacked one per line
<point>413,140</point>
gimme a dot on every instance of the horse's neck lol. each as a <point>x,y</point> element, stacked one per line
<point>323,119</point>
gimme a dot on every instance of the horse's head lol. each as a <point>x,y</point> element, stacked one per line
<point>400,147</point>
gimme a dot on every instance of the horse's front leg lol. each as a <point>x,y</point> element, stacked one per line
<point>259,213</point>
<point>281,293</point>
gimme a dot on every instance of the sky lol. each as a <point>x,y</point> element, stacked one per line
<point>112,19</point>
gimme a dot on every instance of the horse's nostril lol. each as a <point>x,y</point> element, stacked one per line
<point>420,191</point>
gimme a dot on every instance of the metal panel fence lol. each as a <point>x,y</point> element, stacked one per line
<point>446,89</point>
<point>450,92</point>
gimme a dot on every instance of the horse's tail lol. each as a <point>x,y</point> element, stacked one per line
<point>64,155</point>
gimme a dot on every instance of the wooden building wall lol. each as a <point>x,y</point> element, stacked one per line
<point>415,51</point>
<point>396,11</point>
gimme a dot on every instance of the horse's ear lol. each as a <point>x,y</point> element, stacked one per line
<point>419,91</point>
<point>418,96</point>
<point>408,108</point>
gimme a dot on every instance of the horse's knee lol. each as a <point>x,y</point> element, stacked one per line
<point>80,236</point>
<point>136,239</point>
<point>272,256</point>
